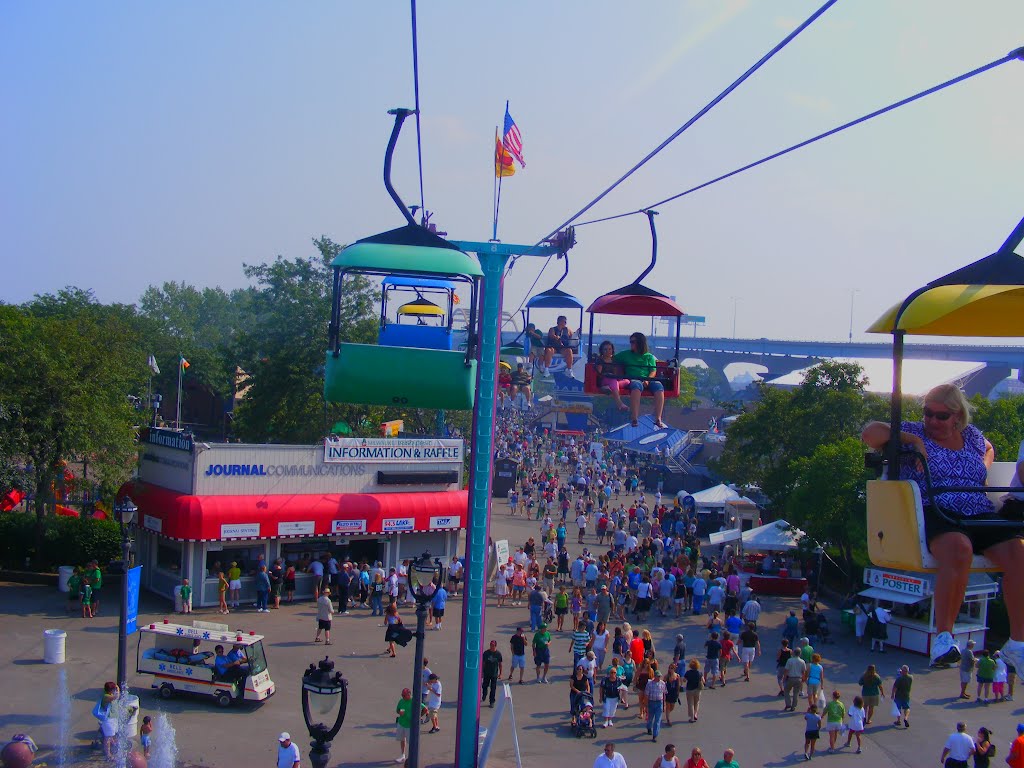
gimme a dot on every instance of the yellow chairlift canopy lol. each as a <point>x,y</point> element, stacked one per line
<point>985,298</point>
<point>421,308</point>
<point>959,310</point>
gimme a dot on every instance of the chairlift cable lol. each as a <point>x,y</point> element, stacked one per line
<point>416,95</point>
<point>707,108</point>
<point>1012,55</point>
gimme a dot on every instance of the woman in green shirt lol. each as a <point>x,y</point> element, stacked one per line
<point>640,367</point>
<point>835,714</point>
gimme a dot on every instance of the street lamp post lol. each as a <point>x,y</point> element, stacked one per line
<point>125,511</point>
<point>324,697</point>
<point>853,293</point>
<point>423,573</point>
<point>735,302</point>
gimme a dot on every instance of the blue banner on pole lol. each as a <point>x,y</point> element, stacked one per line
<point>134,577</point>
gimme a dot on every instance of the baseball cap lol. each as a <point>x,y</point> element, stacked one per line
<point>285,736</point>
<point>543,626</point>
<point>1020,727</point>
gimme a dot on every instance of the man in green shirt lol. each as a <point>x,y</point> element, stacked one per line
<point>640,367</point>
<point>404,720</point>
<point>806,651</point>
<point>96,581</point>
<point>542,652</point>
<point>728,760</point>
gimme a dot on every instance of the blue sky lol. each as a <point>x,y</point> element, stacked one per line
<point>145,142</point>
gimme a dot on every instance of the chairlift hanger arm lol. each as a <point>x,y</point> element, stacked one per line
<point>654,245</point>
<point>400,114</point>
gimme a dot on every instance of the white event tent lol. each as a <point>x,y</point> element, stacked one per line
<point>773,537</point>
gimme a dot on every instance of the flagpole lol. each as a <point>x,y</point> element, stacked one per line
<point>496,189</point>
<point>177,413</point>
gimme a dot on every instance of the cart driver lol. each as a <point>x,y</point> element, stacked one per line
<point>225,668</point>
<point>238,659</point>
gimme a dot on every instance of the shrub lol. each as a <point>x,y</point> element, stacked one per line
<point>65,541</point>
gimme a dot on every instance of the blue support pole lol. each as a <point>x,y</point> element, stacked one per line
<point>477,526</point>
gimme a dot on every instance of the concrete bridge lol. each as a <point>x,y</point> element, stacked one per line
<point>785,356</point>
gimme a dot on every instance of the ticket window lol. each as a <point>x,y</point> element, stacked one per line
<point>304,551</point>
<point>249,557</point>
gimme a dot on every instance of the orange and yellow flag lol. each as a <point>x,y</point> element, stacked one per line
<point>502,159</point>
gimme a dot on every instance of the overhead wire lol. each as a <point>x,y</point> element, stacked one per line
<point>703,111</point>
<point>416,95</point>
<point>1017,54</point>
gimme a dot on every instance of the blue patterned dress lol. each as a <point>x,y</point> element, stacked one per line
<point>965,467</point>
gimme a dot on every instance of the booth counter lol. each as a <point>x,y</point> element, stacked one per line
<point>908,596</point>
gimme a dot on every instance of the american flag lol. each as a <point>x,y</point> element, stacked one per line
<point>513,139</point>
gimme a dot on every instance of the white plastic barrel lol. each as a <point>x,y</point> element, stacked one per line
<point>178,605</point>
<point>63,574</point>
<point>53,645</point>
<point>131,721</point>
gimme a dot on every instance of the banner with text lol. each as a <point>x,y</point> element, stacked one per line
<point>378,450</point>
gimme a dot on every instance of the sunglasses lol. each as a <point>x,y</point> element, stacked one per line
<point>940,415</point>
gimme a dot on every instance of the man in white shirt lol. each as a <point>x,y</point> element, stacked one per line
<point>958,749</point>
<point>287,753</point>
<point>434,702</point>
<point>581,523</point>
<point>610,758</point>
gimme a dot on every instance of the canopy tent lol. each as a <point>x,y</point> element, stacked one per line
<point>773,537</point>
<point>716,496</point>
<point>646,437</point>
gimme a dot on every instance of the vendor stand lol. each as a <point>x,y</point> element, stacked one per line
<point>908,596</point>
<point>771,541</point>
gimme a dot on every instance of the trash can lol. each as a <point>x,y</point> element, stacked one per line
<point>53,645</point>
<point>130,722</point>
<point>63,574</point>
<point>179,606</point>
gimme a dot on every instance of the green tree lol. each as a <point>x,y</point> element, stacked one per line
<point>282,349</point>
<point>1002,422</point>
<point>827,407</point>
<point>67,396</point>
<point>203,325</point>
<point>827,499</point>
<point>710,383</point>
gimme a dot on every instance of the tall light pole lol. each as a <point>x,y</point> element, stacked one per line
<point>853,293</point>
<point>735,302</point>
<point>125,510</point>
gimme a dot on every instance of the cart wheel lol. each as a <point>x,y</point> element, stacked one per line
<point>223,699</point>
<point>166,691</point>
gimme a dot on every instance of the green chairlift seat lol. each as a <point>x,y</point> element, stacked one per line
<point>372,374</point>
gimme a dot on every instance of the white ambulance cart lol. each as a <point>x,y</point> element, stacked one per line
<point>182,660</point>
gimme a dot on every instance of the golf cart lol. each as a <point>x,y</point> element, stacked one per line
<point>181,659</point>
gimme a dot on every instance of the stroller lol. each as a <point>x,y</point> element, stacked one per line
<point>824,633</point>
<point>584,716</point>
<point>548,614</point>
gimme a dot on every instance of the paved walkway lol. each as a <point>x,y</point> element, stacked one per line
<point>744,716</point>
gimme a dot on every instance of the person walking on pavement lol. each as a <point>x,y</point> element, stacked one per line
<point>518,645</point>
<point>492,667</point>
<point>287,753</point>
<point>728,760</point>
<point>669,759</point>
<point>609,758</point>
<point>901,695</point>
<point>796,674</point>
<point>655,692</point>
<point>958,748</point>
<point>542,652</point>
<point>324,615</point>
